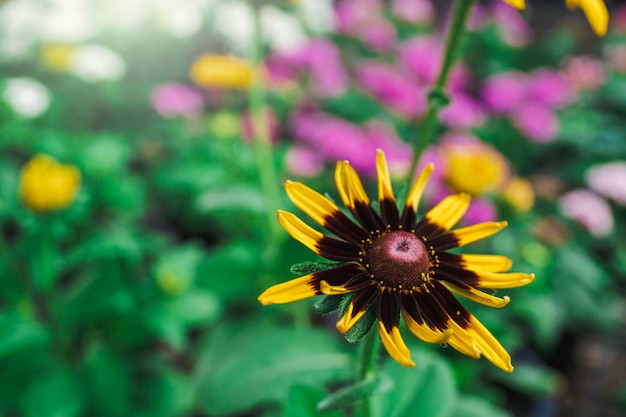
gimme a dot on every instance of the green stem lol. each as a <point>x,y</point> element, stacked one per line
<point>261,133</point>
<point>367,367</point>
<point>437,98</point>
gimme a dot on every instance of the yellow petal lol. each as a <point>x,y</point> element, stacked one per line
<point>449,211</point>
<point>328,289</point>
<point>315,205</point>
<point>477,296</point>
<point>488,263</point>
<point>417,190</point>
<point>489,346</point>
<point>294,290</point>
<point>348,319</point>
<point>299,230</point>
<point>349,185</point>
<point>518,4</point>
<point>471,234</point>
<point>392,340</point>
<point>595,11</point>
<point>424,332</point>
<point>510,280</point>
<point>462,341</point>
<point>385,192</point>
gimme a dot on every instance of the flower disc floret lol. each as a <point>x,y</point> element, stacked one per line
<point>398,260</point>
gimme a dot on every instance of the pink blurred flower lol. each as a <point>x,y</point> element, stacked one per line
<point>323,61</point>
<point>480,210</point>
<point>393,87</point>
<point>504,93</point>
<point>585,72</point>
<point>174,100</point>
<point>463,112</point>
<point>616,58</point>
<point>550,88</point>
<point>364,19</point>
<point>537,122</point>
<point>609,180</point>
<point>588,209</point>
<point>303,161</point>
<point>333,138</point>
<point>413,11</point>
<point>514,29</point>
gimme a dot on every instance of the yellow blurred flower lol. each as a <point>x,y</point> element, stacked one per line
<point>474,167</point>
<point>595,11</point>
<point>57,56</point>
<point>519,194</point>
<point>225,71</point>
<point>46,185</point>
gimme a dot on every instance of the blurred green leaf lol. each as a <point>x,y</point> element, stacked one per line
<point>426,390</point>
<point>107,381</point>
<point>471,406</point>
<point>302,402</point>
<point>19,332</point>
<point>54,395</point>
<point>167,394</point>
<point>246,198</point>
<point>532,379</point>
<point>349,395</point>
<point>175,270</point>
<point>248,366</point>
<point>45,263</point>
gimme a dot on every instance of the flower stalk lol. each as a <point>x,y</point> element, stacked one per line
<point>260,129</point>
<point>437,97</point>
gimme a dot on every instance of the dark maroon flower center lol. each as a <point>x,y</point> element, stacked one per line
<point>398,260</point>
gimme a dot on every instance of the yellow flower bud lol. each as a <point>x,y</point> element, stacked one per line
<point>474,167</point>
<point>57,56</point>
<point>519,194</point>
<point>222,71</point>
<point>46,185</point>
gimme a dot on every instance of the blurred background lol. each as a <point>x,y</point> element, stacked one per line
<point>137,213</point>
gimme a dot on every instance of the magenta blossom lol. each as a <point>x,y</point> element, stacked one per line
<point>481,210</point>
<point>463,112</point>
<point>177,100</point>
<point>585,72</point>
<point>550,88</point>
<point>333,138</point>
<point>393,87</point>
<point>537,122</point>
<point>320,58</point>
<point>609,180</point>
<point>364,19</point>
<point>504,93</point>
<point>413,11</point>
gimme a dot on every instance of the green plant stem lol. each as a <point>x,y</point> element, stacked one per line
<point>261,133</point>
<point>367,366</point>
<point>437,97</point>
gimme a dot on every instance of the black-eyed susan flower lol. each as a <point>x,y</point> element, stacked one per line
<point>397,263</point>
<point>47,185</point>
<point>595,11</point>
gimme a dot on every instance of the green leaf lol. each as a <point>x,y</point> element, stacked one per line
<point>107,382</point>
<point>328,304</point>
<point>19,333</point>
<point>45,263</point>
<point>349,395</point>
<point>55,395</point>
<point>471,406</point>
<point>175,270</point>
<point>533,379</point>
<point>428,389</point>
<point>166,394</point>
<point>305,268</point>
<point>253,365</point>
<point>302,402</point>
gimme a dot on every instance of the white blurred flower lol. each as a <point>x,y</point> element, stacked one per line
<point>19,24</point>
<point>318,15</point>
<point>282,30</point>
<point>182,22</point>
<point>93,63</point>
<point>234,21</point>
<point>70,21</point>
<point>27,97</point>
<point>588,209</point>
<point>609,180</point>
